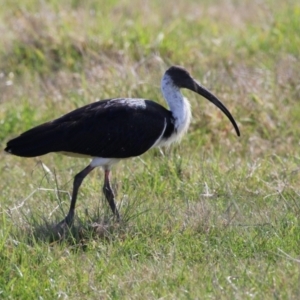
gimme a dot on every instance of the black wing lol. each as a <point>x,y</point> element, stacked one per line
<point>113,128</point>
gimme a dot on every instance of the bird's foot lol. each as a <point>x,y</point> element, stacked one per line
<point>67,222</point>
<point>117,215</point>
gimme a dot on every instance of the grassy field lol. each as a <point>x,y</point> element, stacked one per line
<point>214,217</point>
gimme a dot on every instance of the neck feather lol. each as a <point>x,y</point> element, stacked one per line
<point>179,106</point>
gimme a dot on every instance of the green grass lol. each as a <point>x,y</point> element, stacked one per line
<point>215,217</point>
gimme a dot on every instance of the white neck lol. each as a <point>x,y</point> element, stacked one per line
<point>179,106</point>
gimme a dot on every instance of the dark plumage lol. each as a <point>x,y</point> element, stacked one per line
<point>90,130</point>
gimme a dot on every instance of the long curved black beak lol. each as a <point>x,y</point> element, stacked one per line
<point>197,88</point>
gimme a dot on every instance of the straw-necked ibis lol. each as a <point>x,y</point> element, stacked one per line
<point>113,129</point>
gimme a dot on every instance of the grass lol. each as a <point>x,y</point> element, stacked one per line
<point>215,217</point>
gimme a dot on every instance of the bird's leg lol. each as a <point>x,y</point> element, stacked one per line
<point>109,194</point>
<point>76,184</point>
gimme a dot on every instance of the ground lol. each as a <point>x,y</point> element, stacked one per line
<point>214,217</point>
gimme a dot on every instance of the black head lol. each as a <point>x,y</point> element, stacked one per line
<point>182,79</point>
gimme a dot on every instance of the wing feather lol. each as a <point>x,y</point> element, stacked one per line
<point>113,128</point>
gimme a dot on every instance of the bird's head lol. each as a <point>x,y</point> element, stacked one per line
<point>181,78</point>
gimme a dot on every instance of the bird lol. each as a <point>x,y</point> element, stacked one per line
<point>110,130</point>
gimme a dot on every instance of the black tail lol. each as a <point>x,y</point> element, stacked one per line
<point>37,141</point>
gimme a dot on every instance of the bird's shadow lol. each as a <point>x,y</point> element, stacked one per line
<point>99,224</point>
<point>78,235</point>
